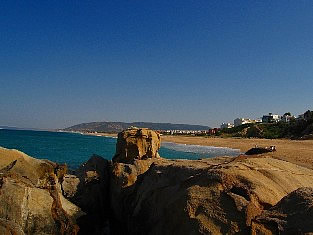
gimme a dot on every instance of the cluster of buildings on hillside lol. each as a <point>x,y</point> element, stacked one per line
<point>183,132</point>
<point>268,118</point>
<point>211,131</point>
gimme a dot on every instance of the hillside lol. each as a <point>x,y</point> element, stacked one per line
<point>295,129</point>
<point>114,127</point>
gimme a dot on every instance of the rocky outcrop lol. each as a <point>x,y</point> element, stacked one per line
<point>136,143</point>
<point>141,193</point>
<point>31,200</point>
<point>88,189</point>
<point>212,196</point>
<point>291,215</point>
<point>136,150</point>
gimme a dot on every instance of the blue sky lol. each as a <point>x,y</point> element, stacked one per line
<point>198,62</point>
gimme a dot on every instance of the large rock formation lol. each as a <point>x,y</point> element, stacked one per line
<point>31,201</point>
<point>141,193</point>
<point>136,150</point>
<point>291,215</point>
<point>211,196</point>
<point>136,143</point>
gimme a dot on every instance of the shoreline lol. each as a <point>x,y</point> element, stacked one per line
<point>299,152</point>
<point>102,134</point>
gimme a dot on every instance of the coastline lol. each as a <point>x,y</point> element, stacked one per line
<point>102,134</point>
<point>299,152</point>
<point>295,151</point>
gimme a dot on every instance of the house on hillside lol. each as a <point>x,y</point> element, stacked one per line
<point>308,115</point>
<point>270,118</point>
<point>213,131</point>
<point>227,125</point>
<point>287,117</point>
<point>242,121</point>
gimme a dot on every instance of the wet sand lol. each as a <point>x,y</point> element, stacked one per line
<point>296,151</point>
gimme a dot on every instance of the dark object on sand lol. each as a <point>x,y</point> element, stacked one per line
<point>260,150</point>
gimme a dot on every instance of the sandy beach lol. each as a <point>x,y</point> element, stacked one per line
<point>296,151</point>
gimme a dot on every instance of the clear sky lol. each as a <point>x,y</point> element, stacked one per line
<point>196,61</point>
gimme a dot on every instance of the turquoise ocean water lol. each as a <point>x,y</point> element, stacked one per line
<point>74,149</point>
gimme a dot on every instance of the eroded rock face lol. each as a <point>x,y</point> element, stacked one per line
<point>31,201</point>
<point>136,143</point>
<point>212,196</point>
<point>291,215</point>
<point>123,182</point>
<point>136,150</point>
<point>88,189</point>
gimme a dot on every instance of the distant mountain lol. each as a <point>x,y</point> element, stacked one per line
<point>119,126</point>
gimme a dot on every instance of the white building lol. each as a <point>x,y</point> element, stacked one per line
<point>287,118</point>
<point>241,121</point>
<point>227,125</point>
<point>271,118</point>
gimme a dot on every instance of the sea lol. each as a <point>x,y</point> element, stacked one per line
<point>75,149</point>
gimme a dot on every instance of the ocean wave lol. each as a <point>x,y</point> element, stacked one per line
<point>203,151</point>
<point>108,136</point>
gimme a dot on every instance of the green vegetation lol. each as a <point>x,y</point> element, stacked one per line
<point>301,128</point>
<point>295,129</point>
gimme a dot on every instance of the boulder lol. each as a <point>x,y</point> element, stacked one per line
<point>260,150</point>
<point>136,150</point>
<point>31,200</point>
<point>136,143</point>
<point>291,215</point>
<point>88,189</point>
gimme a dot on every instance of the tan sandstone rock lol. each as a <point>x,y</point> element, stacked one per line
<point>31,201</point>
<point>88,189</point>
<point>142,193</point>
<point>293,214</point>
<point>136,143</point>
<point>211,196</point>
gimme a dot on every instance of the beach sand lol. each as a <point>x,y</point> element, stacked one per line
<point>296,151</point>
